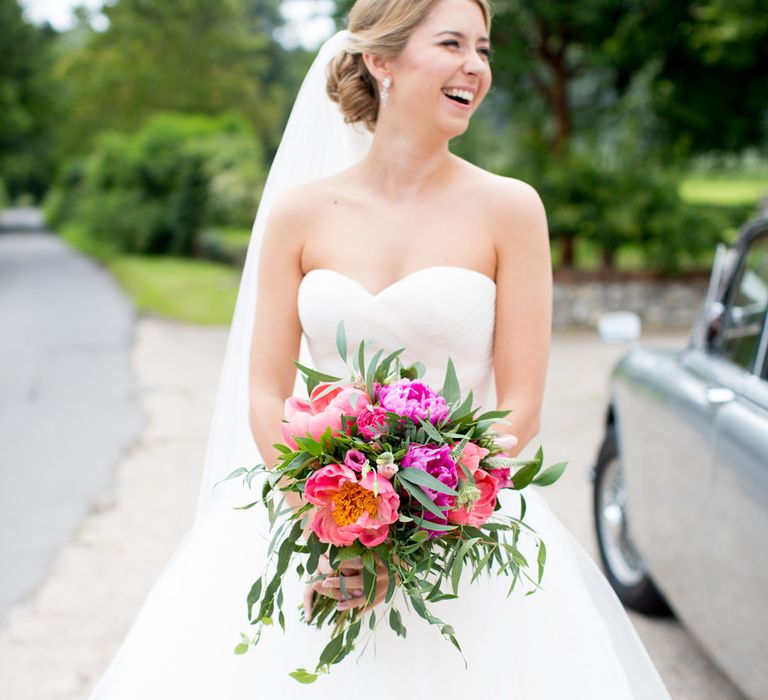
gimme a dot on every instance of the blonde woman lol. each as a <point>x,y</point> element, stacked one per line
<point>367,216</point>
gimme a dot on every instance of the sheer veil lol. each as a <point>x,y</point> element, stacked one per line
<point>316,143</point>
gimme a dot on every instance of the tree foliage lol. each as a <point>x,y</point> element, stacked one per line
<point>192,56</point>
<point>27,105</point>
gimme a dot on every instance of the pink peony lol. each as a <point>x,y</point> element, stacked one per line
<point>413,399</point>
<point>320,412</point>
<point>480,511</point>
<point>347,509</point>
<point>372,421</point>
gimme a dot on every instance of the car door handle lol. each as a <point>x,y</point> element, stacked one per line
<point>720,394</point>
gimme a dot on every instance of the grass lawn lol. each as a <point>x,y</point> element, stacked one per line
<point>724,189</point>
<point>195,291</point>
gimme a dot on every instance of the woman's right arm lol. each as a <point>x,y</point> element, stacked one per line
<point>276,329</point>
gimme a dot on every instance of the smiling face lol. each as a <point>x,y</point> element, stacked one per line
<point>443,73</point>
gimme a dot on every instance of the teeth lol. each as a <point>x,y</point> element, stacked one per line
<point>463,94</point>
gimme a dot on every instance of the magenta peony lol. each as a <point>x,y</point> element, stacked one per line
<point>437,461</point>
<point>347,509</point>
<point>371,422</point>
<point>412,399</point>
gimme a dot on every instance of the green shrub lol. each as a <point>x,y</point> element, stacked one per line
<point>154,191</point>
<point>626,205</point>
<point>3,195</point>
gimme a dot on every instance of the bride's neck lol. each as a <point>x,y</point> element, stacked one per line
<point>400,164</point>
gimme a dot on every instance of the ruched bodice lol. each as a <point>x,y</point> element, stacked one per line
<point>434,313</point>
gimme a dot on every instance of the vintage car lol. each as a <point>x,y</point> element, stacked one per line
<point>681,479</point>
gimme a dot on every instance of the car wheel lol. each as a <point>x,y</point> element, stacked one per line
<point>623,565</point>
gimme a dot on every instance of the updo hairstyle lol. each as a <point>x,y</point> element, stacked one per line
<point>381,27</point>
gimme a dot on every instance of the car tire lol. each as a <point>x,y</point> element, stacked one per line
<point>623,566</point>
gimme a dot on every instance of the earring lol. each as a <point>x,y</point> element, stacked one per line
<point>385,90</point>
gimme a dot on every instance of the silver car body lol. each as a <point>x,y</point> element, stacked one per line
<point>692,429</point>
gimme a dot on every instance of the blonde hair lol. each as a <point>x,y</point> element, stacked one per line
<point>381,27</point>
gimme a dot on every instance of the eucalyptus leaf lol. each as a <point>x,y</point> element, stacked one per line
<point>332,650</point>
<point>422,478</point>
<point>314,374</point>
<point>341,340</point>
<point>451,391</point>
<point>418,493</point>
<point>303,676</point>
<point>550,475</point>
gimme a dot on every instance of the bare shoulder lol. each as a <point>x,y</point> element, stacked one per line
<point>507,200</point>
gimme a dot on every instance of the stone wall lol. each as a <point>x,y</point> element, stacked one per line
<point>661,304</point>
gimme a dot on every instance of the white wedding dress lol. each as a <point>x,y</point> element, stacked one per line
<point>570,640</point>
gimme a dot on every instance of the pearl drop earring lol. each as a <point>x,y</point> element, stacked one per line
<point>385,90</point>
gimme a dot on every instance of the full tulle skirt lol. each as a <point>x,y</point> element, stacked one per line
<point>571,638</point>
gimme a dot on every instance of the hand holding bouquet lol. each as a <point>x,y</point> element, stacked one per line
<point>399,485</point>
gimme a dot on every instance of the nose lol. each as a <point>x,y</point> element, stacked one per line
<point>475,65</point>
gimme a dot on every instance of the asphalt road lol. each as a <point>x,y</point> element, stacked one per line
<point>67,408</point>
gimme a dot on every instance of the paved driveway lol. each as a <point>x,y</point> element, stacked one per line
<point>67,409</point>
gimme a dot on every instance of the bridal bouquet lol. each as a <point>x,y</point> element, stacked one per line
<point>393,473</point>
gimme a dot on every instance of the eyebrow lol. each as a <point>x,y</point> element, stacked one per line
<point>460,35</point>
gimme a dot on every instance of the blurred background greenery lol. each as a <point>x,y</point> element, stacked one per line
<point>146,135</point>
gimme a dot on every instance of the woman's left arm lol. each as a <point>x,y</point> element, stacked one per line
<point>523,307</point>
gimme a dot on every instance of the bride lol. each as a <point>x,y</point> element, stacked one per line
<point>367,216</point>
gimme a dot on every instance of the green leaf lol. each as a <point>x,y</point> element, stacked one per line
<point>332,650</point>
<point>372,620</point>
<point>254,595</point>
<point>372,367</point>
<point>369,585</point>
<point>361,357</point>
<point>431,430</point>
<point>523,506</point>
<point>493,415</point>
<point>314,374</point>
<point>241,648</point>
<point>458,563</point>
<point>422,478</point>
<point>341,340</point>
<point>522,477</point>
<point>437,527</point>
<point>303,676</point>
<point>464,408</point>
<point>369,562</point>
<point>450,390</point>
<point>396,623</point>
<point>550,475</point>
<point>541,558</point>
<point>418,493</point>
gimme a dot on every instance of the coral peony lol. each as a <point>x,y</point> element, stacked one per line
<point>320,412</point>
<point>471,456</point>
<point>347,509</point>
<point>482,504</point>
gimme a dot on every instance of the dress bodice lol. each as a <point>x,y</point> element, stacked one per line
<point>434,313</point>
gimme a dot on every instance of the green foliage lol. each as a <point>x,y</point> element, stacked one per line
<point>27,103</point>
<point>155,190</point>
<point>4,201</point>
<point>190,56</point>
<point>626,205</point>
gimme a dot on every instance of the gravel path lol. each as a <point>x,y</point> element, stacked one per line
<point>56,642</point>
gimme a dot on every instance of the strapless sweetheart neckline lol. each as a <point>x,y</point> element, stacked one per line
<point>405,278</point>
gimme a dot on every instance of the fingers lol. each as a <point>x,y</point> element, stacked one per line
<point>335,593</point>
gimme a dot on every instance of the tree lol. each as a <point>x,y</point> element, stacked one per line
<point>27,102</point>
<point>193,56</point>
